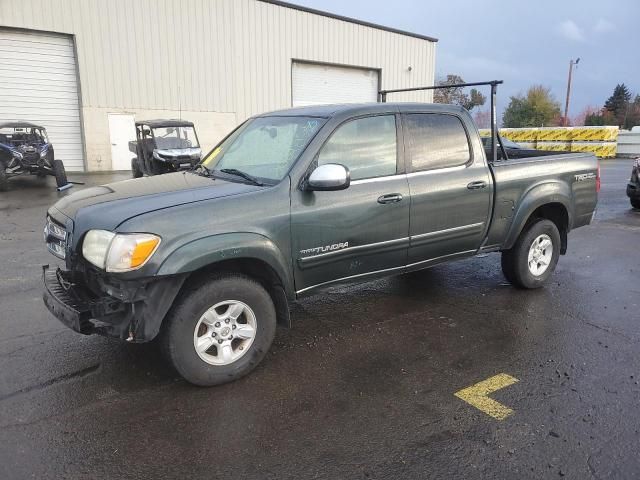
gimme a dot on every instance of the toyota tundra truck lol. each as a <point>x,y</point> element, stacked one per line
<point>207,261</point>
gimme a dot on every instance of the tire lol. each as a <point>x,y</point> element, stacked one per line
<point>635,203</point>
<point>4,180</point>
<point>158,168</point>
<point>135,169</point>
<point>60,173</point>
<point>515,262</point>
<point>187,324</point>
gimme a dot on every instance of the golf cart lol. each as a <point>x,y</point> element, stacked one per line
<point>25,149</point>
<point>164,146</point>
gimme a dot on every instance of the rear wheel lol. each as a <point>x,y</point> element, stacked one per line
<point>219,330</point>
<point>135,168</point>
<point>635,203</point>
<point>4,180</point>
<point>534,257</point>
<point>60,173</point>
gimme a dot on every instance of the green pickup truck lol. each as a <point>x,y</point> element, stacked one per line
<point>290,202</point>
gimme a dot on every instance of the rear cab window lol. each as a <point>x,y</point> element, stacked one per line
<point>435,141</point>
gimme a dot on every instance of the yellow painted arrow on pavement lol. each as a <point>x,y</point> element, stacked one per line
<point>478,395</point>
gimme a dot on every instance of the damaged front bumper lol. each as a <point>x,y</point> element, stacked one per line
<point>134,312</point>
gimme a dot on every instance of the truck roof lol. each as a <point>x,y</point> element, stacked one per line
<point>346,109</point>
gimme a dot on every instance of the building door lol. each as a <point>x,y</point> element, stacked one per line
<point>122,130</point>
<point>38,84</point>
<point>315,84</point>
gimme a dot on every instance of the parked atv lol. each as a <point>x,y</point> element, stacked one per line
<point>164,146</point>
<point>25,149</point>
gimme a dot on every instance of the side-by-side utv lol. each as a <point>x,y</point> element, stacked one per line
<point>25,149</point>
<point>164,146</point>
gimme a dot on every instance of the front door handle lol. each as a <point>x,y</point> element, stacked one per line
<point>477,185</point>
<point>390,198</point>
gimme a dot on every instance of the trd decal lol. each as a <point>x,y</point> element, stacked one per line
<point>584,176</point>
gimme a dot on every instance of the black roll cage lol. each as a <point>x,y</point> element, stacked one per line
<point>495,134</point>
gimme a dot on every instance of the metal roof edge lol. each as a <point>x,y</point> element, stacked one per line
<point>348,19</point>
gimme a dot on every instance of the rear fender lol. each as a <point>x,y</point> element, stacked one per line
<point>534,198</point>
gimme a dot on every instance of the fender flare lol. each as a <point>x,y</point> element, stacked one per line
<point>537,196</point>
<point>213,249</point>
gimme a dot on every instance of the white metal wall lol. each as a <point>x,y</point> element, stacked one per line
<point>38,84</point>
<point>232,56</point>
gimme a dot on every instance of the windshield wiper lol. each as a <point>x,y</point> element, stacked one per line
<point>245,175</point>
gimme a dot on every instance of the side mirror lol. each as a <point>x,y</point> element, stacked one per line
<point>331,176</point>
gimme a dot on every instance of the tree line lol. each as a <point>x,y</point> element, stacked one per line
<point>539,108</point>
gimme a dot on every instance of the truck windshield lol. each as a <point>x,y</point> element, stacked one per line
<point>175,138</point>
<point>264,147</point>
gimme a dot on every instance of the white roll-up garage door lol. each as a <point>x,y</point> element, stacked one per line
<point>314,84</point>
<point>38,84</point>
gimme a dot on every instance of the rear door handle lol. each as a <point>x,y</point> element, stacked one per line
<point>390,198</point>
<point>477,185</point>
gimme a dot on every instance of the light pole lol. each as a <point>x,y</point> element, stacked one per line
<point>566,105</point>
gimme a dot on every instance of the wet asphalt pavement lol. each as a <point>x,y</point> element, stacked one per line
<point>362,386</point>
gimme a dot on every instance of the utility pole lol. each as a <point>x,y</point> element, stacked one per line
<point>566,105</point>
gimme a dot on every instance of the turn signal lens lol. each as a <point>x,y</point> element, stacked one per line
<point>131,251</point>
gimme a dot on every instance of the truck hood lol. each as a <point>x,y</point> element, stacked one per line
<point>107,206</point>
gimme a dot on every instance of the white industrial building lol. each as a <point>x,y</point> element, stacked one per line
<point>86,69</point>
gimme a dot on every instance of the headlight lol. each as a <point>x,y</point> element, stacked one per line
<point>119,252</point>
<point>17,155</point>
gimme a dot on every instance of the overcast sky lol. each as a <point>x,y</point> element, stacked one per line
<point>522,43</point>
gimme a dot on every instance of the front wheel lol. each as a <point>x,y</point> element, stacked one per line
<point>635,203</point>
<point>4,180</point>
<point>60,173</point>
<point>219,330</point>
<point>135,168</point>
<point>534,257</point>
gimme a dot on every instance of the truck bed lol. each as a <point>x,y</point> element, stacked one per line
<point>568,178</point>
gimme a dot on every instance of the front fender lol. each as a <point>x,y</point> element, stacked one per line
<point>537,196</point>
<point>229,246</point>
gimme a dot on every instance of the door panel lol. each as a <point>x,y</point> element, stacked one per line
<point>349,233</point>
<point>451,197</point>
<point>364,228</point>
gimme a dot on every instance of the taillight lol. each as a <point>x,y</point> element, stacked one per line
<point>598,178</point>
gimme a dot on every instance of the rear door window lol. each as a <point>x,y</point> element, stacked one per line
<point>436,141</point>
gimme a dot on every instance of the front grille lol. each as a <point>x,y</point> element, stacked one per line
<point>55,236</point>
<point>31,157</point>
